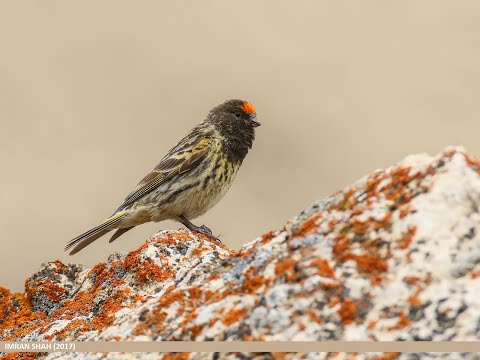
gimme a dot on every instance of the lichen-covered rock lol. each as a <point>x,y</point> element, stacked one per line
<point>396,256</point>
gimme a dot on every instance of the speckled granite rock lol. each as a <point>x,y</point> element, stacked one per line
<point>396,256</point>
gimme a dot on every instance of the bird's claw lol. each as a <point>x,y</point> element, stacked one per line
<point>206,231</point>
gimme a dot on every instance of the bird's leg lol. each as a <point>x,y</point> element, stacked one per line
<point>201,229</point>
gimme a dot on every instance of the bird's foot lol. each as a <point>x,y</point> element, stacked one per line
<point>205,230</point>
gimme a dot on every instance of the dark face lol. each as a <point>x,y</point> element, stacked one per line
<point>235,120</point>
<point>236,113</point>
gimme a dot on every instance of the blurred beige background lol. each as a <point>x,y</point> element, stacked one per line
<point>92,94</point>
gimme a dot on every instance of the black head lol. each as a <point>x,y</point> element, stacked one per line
<point>235,120</point>
<point>239,113</point>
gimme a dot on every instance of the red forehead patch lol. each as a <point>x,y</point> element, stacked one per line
<point>248,108</point>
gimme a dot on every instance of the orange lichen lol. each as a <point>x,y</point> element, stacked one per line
<point>334,300</point>
<point>23,355</point>
<point>348,311</point>
<point>407,239</point>
<point>323,266</point>
<point>372,324</point>
<point>17,315</point>
<point>198,250</point>
<point>98,273</point>
<point>328,285</point>
<point>209,294</point>
<point>133,258</point>
<point>403,322</point>
<point>387,356</point>
<point>370,264</point>
<point>195,292</point>
<point>347,201</point>
<point>110,307</point>
<point>212,321</point>
<point>301,326</point>
<point>233,316</point>
<point>251,285</point>
<point>404,211</point>
<point>393,184</point>
<point>176,356</point>
<point>217,296</point>
<point>195,329</point>
<point>331,224</point>
<point>376,279</point>
<point>154,318</point>
<point>170,298</point>
<point>341,243</point>
<point>181,310</point>
<point>268,236</point>
<point>286,267</point>
<point>475,273</point>
<point>308,226</point>
<point>148,271</point>
<point>79,305</point>
<point>314,316</point>
<point>52,291</point>
<point>414,300</point>
<point>473,163</point>
<point>411,280</point>
<point>188,320</point>
<point>400,177</point>
<point>80,325</point>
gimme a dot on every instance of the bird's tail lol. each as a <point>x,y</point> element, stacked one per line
<point>93,234</point>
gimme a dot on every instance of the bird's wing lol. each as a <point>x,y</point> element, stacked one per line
<point>184,157</point>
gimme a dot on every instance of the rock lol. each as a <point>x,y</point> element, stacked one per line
<point>395,256</point>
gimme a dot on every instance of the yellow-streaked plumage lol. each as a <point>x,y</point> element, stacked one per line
<point>190,179</point>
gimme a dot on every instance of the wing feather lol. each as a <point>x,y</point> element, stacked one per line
<point>183,158</point>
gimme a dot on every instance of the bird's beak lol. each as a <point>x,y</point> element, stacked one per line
<point>254,121</point>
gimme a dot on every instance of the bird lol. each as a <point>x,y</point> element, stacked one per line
<point>190,179</point>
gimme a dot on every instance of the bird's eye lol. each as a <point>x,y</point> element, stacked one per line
<point>237,114</point>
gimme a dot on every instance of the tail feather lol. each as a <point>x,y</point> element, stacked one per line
<point>87,241</point>
<point>93,234</point>
<point>119,233</point>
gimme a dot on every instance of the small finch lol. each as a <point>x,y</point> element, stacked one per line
<point>190,179</point>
